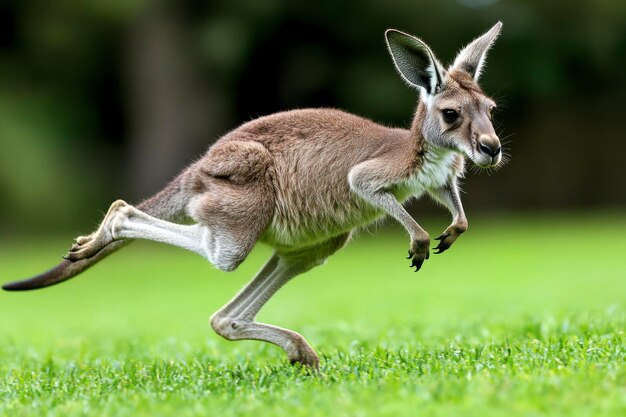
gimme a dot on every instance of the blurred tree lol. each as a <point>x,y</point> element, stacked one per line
<point>172,110</point>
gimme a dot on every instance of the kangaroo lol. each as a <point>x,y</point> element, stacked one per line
<point>301,181</point>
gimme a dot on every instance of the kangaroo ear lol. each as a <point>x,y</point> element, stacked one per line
<point>414,61</point>
<point>472,58</point>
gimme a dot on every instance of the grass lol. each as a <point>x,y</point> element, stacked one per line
<point>523,317</point>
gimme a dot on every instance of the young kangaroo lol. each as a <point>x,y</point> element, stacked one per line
<point>302,180</point>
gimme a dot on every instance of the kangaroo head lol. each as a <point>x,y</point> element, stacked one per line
<point>456,114</point>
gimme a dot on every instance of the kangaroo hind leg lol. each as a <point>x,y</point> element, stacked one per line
<point>224,244</point>
<point>236,320</point>
<point>124,221</point>
<point>233,204</point>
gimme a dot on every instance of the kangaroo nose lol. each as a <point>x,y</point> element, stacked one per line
<point>489,145</point>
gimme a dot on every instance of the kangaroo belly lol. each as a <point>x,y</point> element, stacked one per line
<point>304,215</point>
<point>314,221</point>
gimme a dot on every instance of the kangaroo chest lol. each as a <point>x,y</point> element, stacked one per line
<point>438,169</point>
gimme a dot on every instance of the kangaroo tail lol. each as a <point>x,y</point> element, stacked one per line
<point>168,204</point>
<point>63,271</point>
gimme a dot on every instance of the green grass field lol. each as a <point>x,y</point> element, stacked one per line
<point>522,317</point>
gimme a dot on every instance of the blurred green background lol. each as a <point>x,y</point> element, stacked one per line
<point>102,100</point>
<point>109,99</point>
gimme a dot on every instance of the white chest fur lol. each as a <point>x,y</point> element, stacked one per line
<point>437,170</point>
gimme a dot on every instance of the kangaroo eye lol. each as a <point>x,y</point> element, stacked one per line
<point>450,115</point>
<point>491,112</point>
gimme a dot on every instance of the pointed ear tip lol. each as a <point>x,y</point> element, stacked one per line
<point>392,32</point>
<point>495,30</point>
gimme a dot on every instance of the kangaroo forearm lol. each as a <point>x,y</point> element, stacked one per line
<point>387,201</point>
<point>450,197</point>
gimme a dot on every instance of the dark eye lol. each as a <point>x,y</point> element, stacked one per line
<point>449,115</point>
<point>491,112</point>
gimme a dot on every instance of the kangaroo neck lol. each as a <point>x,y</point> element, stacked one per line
<point>418,141</point>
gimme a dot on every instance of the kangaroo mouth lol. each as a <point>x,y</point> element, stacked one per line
<point>484,161</point>
<point>494,162</point>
